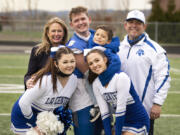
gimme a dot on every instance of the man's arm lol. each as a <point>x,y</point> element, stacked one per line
<point>162,83</point>
<point>80,63</point>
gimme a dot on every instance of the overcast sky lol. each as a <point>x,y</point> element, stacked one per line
<point>59,5</point>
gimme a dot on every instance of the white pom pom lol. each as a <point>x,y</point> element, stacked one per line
<point>48,123</point>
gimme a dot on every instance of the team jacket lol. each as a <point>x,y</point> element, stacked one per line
<point>148,67</point>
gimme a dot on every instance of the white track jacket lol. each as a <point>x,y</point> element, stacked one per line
<point>148,67</point>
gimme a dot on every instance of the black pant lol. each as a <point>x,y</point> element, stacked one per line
<point>151,130</point>
<point>98,126</point>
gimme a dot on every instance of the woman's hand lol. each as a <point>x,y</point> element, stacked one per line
<point>38,131</point>
<point>29,83</point>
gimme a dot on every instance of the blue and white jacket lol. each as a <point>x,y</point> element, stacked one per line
<point>148,67</point>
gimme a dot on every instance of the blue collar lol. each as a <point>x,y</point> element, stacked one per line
<point>133,42</point>
<point>113,67</point>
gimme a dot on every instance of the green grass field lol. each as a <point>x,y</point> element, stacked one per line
<point>14,66</point>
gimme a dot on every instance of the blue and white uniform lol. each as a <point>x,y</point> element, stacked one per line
<point>147,65</point>
<point>80,98</point>
<point>81,101</point>
<point>129,112</point>
<point>110,49</point>
<point>38,99</point>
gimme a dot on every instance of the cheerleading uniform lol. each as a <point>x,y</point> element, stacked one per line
<point>38,99</point>
<point>129,112</point>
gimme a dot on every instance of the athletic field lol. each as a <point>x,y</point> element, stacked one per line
<point>13,66</point>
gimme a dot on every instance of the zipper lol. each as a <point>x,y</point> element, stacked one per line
<point>129,52</point>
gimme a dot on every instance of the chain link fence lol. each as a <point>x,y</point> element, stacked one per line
<point>31,30</point>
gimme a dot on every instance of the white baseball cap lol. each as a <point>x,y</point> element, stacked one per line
<point>136,14</point>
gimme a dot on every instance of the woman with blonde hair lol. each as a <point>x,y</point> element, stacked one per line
<point>55,33</point>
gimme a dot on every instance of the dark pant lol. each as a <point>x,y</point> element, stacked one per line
<point>98,126</point>
<point>151,130</point>
<point>82,124</point>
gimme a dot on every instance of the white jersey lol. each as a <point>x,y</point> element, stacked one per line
<point>116,94</point>
<point>44,99</point>
<point>147,65</point>
<point>80,98</point>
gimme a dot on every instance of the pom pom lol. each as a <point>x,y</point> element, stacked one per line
<point>65,116</point>
<point>48,124</point>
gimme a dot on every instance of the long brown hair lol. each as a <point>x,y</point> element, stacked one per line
<point>51,68</point>
<point>92,76</point>
<point>45,45</point>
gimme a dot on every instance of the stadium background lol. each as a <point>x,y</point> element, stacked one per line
<point>19,34</point>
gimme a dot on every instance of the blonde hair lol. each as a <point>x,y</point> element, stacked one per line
<point>46,44</point>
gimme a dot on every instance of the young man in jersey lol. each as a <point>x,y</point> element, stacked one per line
<point>146,63</point>
<point>81,102</point>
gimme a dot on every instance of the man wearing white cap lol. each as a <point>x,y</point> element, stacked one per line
<point>146,63</point>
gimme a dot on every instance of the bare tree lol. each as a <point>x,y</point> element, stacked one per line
<point>29,6</point>
<point>121,5</point>
<point>32,5</point>
<point>33,13</point>
<point>125,4</point>
<point>7,6</point>
<point>117,4</point>
<point>8,14</point>
<point>36,8</point>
